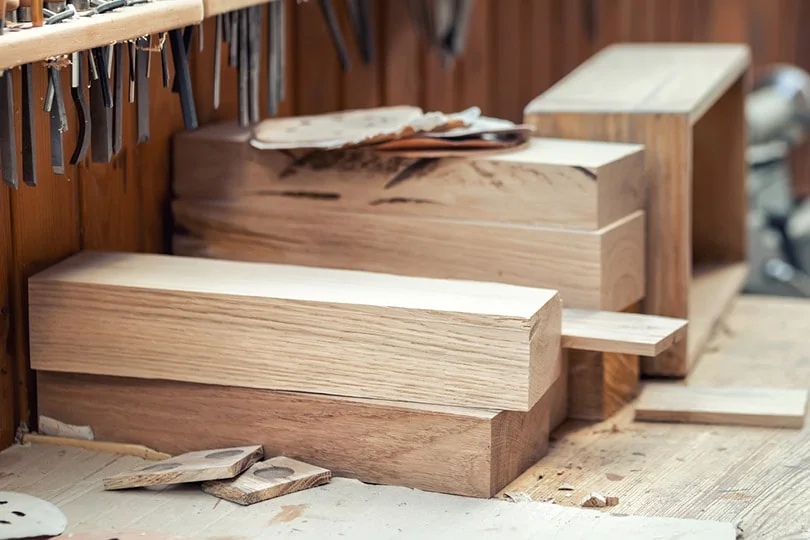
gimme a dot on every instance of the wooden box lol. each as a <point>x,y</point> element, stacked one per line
<point>685,104</point>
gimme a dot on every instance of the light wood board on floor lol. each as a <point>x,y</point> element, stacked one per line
<point>758,477</point>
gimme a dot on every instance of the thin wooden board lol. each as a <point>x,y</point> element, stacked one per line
<point>99,446</point>
<point>341,508</point>
<point>280,327</point>
<point>83,33</point>
<point>760,407</point>
<point>627,333</point>
<point>601,269</point>
<point>473,452</point>
<point>576,184</point>
<point>218,7</point>
<point>635,78</point>
<point>268,479</point>
<point>214,464</point>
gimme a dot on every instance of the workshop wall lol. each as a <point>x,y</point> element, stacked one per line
<point>516,49</point>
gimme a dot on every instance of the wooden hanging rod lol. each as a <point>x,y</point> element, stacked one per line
<point>218,7</point>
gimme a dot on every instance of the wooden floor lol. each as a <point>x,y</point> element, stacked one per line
<point>757,477</point>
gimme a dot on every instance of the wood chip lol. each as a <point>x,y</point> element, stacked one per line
<point>565,486</point>
<point>610,500</point>
<point>594,500</point>
<point>268,479</point>
<point>191,467</point>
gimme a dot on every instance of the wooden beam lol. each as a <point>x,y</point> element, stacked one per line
<point>294,328</point>
<point>473,452</point>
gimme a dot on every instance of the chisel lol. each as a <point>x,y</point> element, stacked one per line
<point>58,122</point>
<point>272,58</point>
<point>183,78</point>
<point>164,59</point>
<point>254,57</point>
<point>118,97</point>
<point>457,38</point>
<point>233,43</point>
<point>243,75</point>
<point>142,85</point>
<point>100,114</point>
<point>360,19</point>
<point>328,11</point>
<point>218,61</point>
<point>132,56</point>
<point>8,141</point>
<point>29,149</point>
<point>77,92</point>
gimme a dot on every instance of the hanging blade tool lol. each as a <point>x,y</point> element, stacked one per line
<point>132,56</point>
<point>233,43</point>
<point>8,141</point>
<point>272,58</point>
<point>254,58</point>
<point>58,122</point>
<point>328,11</point>
<point>118,97</point>
<point>218,61</point>
<point>29,149</point>
<point>360,18</point>
<point>188,33</point>
<point>442,19</point>
<point>164,59</point>
<point>142,84</point>
<point>183,79</point>
<point>100,114</point>
<point>83,112</point>
<point>457,38</point>
<point>243,75</point>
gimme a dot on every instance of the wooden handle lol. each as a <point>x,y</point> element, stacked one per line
<point>37,17</point>
<point>11,5</point>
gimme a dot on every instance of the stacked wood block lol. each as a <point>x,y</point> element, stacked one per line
<point>685,104</point>
<point>559,214</point>
<point>434,384</point>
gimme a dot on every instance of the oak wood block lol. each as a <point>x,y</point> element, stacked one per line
<point>685,104</point>
<point>601,269</point>
<point>762,407</point>
<point>195,466</point>
<point>473,452</point>
<point>553,182</point>
<point>280,327</point>
<point>268,479</point>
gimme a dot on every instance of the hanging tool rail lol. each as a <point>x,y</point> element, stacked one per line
<point>22,43</point>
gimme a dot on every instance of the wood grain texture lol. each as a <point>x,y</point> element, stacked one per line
<point>759,407</point>
<point>679,130</point>
<point>293,328</point>
<point>199,466</point>
<point>473,452</point>
<point>268,479</point>
<point>575,184</point>
<point>84,33</point>
<point>627,333</point>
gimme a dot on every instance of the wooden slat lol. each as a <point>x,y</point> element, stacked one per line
<point>313,330</point>
<point>452,450</point>
<point>626,333</point>
<point>763,407</point>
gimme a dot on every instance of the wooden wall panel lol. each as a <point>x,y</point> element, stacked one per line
<point>515,50</point>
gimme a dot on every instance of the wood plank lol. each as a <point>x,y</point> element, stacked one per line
<point>760,407</point>
<point>309,329</point>
<point>216,7</point>
<point>577,184</point>
<point>268,479</point>
<point>83,33</point>
<point>341,508</point>
<point>472,452</point>
<point>603,269</point>
<point>199,466</point>
<point>627,333</point>
<point>666,78</point>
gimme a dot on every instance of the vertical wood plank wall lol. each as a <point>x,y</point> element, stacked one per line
<point>516,49</point>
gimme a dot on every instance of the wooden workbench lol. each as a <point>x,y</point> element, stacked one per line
<point>755,476</point>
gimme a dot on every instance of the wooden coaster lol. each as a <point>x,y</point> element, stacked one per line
<point>190,467</point>
<point>268,479</point>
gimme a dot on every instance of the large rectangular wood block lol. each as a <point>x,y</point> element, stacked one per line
<point>685,104</point>
<point>472,452</point>
<point>552,182</point>
<point>279,327</point>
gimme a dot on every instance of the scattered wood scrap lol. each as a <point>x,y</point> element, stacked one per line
<point>126,449</point>
<point>191,467</point>
<point>268,479</point>
<point>597,500</point>
<point>55,428</point>
<point>759,407</point>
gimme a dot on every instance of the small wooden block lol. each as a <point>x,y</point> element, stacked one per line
<point>268,479</point>
<point>190,467</point>
<point>594,500</point>
<point>625,333</point>
<point>762,407</point>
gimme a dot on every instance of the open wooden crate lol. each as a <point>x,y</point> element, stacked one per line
<point>685,103</point>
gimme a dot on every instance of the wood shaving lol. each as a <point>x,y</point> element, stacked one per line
<point>565,486</point>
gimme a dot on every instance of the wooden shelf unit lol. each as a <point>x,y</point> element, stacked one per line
<point>685,103</point>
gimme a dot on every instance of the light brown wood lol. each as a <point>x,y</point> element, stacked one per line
<point>601,269</point>
<point>83,33</point>
<point>268,479</point>
<point>668,78</point>
<point>577,184</point>
<point>600,384</point>
<point>627,333</point>
<point>685,104</point>
<point>473,452</point>
<point>343,508</point>
<point>746,406</point>
<point>213,464</point>
<point>217,7</point>
<point>98,446</point>
<point>282,327</point>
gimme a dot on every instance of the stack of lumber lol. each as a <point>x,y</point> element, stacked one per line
<point>558,214</point>
<point>442,385</point>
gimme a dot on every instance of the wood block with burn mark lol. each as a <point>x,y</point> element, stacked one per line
<point>190,467</point>
<point>268,479</point>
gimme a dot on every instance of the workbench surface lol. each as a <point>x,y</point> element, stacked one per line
<point>756,477</point>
